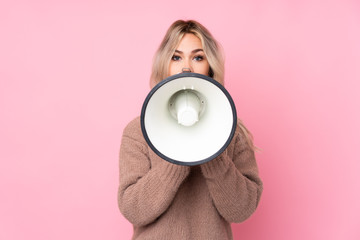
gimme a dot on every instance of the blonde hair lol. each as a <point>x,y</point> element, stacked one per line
<point>173,36</point>
<point>212,50</point>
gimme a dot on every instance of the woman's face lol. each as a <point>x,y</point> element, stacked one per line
<point>189,55</point>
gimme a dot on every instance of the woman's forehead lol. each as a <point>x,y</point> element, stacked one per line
<point>189,43</point>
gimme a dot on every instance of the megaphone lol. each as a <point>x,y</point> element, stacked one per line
<point>188,119</point>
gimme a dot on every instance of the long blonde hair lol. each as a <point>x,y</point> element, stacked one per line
<point>212,50</point>
<point>172,38</point>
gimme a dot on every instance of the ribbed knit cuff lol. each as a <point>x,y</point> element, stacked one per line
<point>172,173</point>
<point>216,166</point>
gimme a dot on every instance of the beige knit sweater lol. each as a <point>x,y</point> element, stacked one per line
<point>167,201</point>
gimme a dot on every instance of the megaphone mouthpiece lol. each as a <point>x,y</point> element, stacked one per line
<point>186,106</point>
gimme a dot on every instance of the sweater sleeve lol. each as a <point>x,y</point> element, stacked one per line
<point>147,183</point>
<point>234,183</point>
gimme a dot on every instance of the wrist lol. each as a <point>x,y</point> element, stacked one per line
<point>216,166</point>
<point>169,171</point>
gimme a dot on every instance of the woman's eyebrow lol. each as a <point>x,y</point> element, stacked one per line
<point>197,50</point>
<point>193,51</point>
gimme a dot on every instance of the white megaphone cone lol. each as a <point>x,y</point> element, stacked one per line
<point>188,119</point>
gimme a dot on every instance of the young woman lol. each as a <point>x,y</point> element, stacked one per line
<point>168,201</point>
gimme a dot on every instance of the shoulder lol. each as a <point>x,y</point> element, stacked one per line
<point>133,130</point>
<point>240,134</point>
<point>243,136</point>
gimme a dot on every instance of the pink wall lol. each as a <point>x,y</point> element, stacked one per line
<point>73,73</point>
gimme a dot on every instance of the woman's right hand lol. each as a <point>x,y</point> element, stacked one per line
<point>156,162</point>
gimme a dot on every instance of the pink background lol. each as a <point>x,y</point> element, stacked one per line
<point>73,73</point>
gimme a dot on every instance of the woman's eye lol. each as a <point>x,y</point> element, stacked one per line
<point>175,58</point>
<point>198,58</point>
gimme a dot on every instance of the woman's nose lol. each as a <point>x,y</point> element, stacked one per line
<point>187,67</point>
